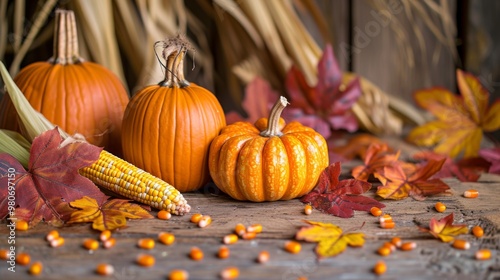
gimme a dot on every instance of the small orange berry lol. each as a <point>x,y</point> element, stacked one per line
<point>104,269</point>
<point>483,254</point>
<point>257,228</point>
<point>205,221</point>
<point>166,238</point>
<point>223,252</point>
<point>380,268</point>
<point>293,247</point>
<point>196,254</point>
<point>440,207</point>
<point>178,274</point>
<point>22,225</point>
<point>461,244</point>
<point>408,246</point>
<point>196,217</point>
<point>263,257</point>
<point>23,259</point>
<point>164,215</point>
<point>145,260</point>
<point>376,211</point>
<point>109,243</point>
<point>308,209</point>
<point>477,231</point>
<point>471,193</point>
<point>146,243</point>
<point>36,268</point>
<point>230,273</point>
<point>230,239</point>
<point>240,229</point>
<point>105,235</point>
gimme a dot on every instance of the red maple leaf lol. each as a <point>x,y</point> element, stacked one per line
<point>465,170</point>
<point>327,105</point>
<point>492,156</point>
<point>51,182</point>
<point>399,183</point>
<point>377,156</point>
<point>340,198</point>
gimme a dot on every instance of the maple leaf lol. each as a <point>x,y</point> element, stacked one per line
<point>492,156</point>
<point>106,214</point>
<point>465,170</point>
<point>461,120</point>
<point>340,198</point>
<point>327,105</point>
<point>356,146</point>
<point>330,238</point>
<point>398,183</point>
<point>377,156</point>
<point>52,179</point>
<point>444,229</point>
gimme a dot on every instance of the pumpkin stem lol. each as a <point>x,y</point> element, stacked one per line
<point>273,123</point>
<point>66,39</point>
<point>174,51</point>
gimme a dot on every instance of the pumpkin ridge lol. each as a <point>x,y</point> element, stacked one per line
<point>248,170</point>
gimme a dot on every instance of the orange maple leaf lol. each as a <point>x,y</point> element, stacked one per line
<point>444,229</point>
<point>376,158</point>
<point>110,214</point>
<point>399,183</point>
<point>357,146</point>
<point>331,240</point>
<point>461,120</point>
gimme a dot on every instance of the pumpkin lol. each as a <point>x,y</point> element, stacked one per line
<point>78,96</point>
<point>267,161</point>
<point>168,127</point>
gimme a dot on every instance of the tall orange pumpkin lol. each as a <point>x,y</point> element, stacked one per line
<point>77,95</point>
<point>269,160</point>
<point>168,128</point>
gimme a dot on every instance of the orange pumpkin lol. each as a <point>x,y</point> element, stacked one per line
<point>77,95</point>
<point>168,128</point>
<point>267,161</point>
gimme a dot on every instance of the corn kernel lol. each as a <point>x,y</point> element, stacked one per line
<point>293,247</point>
<point>57,242</point>
<point>4,254</point>
<point>380,268</point>
<point>195,218</point>
<point>396,241</point>
<point>375,211</point>
<point>440,207</point>
<point>104,269</point>
<point>36,268</point>
<point>166,238</point>
<point>483,254</point>
<point>387,225</point>
<point>223,252</point>
<point>90,244</point>
<point>109,243</point>
<point>408,246</point>
<point>146,243</point>
<point>461,244</point>
<point>471,193</point>
<point>23,259</point>
<point>308,209</point>
<point>230,273</point>
<point>53,234</point>
<point>385,218</point>
<point>105,235</point>
<point>178,274</point>
<point>477,231</point>
<point>22,225</point>
<point>196,254</point>
<point>263,257</point>
<point>240,229</point>
<point>145,260</point>
<point>164,215</point>
<point>249,235</point>
<point>384,251</point>
<point>230,239</point>
<point>257,228</point>
<point>205,221</point>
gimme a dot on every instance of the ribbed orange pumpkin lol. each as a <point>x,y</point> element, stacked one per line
<point>267,161</point>
<point>168,128</point>
<point>78,96</point>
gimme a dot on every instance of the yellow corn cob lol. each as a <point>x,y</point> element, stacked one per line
<point>121,177</point>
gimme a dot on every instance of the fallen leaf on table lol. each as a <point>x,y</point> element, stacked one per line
<point>461,120</point>
<point>376,158</point>
<point>330,238</point>
<point>398,184</point>
<point>51,182</point>
<point>444,228</point>
<point>106,214</point>
<point>327,105</point>
<point>492,156</point>
<point>465,170</point>
<point>340,198</point>
<point>357,146</point>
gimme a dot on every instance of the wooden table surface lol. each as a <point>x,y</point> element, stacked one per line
<point>431,259</point>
